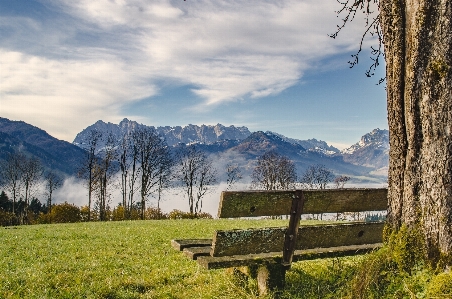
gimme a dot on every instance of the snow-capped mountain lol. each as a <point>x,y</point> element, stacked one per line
<point>372,150</point>
<point>206,134</point>
<point>367,155</point>
<point>203,134</point>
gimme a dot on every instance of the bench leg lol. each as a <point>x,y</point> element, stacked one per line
<point>270,277</point>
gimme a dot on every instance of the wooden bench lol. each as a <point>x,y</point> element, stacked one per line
<point>267,253</point>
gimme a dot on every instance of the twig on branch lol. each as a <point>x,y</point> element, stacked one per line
<point>372,27</point>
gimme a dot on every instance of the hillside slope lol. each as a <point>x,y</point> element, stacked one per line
<point>53,153</point>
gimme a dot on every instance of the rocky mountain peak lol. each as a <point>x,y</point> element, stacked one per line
<point>371,150</point>
<point>376,138</point>
<point>206,134</point>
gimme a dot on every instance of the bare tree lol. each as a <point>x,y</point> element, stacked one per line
<point>130,172</point>
<point>153,157</point>
<point>87,171</point>
<point>164,178</point>
<point>197,175</point>
<point>11,173</point>
<point>340,181</point>
<point>31,173</point>
<point>234,175</point>
<point>105,170</point>
<point>274,172</point>
<point>53,182</point>
<point>316,177</point>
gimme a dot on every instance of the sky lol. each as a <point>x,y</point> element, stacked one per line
<point>266,65</point>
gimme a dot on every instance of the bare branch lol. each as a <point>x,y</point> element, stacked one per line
<point>372,27</point>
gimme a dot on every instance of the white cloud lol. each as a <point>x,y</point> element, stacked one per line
<point>58,93</point>
<point>116,51</point>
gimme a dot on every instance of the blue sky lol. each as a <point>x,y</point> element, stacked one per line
<point>267,65</point>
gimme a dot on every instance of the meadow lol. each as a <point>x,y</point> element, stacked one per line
<point>127,259</point>
<point>134,259</point>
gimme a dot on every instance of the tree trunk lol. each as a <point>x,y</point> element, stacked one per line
<point>418,51</point>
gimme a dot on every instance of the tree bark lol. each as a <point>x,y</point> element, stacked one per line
<point>418,51</point>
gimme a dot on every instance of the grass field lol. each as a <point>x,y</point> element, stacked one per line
<point>134,259</point>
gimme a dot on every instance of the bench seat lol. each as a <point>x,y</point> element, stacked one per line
<point>209,262</point>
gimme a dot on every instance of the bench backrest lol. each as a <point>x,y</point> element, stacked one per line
<point>274,203</point>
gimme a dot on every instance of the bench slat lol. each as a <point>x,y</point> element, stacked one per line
<point>264,240</point>
<point>209,262</point>
<point>270,203</point>
<point>186,243</point>
<point>195,252</point>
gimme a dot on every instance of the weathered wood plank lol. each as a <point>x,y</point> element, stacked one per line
<point>269,203</point>
<point>209,262</point>
<point>195,252</point>
<point>254,241</point>
<point>186,243</point>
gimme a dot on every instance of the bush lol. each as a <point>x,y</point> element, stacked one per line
<point>440,286</point>
<point>118,214</point>
<point>178,214</point>
<point>62,213</point>
<point>8,218</point>
<point>154,213</point>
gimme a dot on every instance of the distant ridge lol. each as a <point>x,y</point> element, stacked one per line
<point>54,154</point>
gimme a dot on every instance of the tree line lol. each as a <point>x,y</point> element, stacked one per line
<point>23,177</point>
<point>140,165</point>
<point>277,172</point>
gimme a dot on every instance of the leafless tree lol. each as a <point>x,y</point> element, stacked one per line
<point>104,172</point>
<point>340,181</point>
<point>165,177</point>
<point>88,168</point>
<point>316,177</point>
<point>11,175</point>
<point>274,172</point>
<point>153,159</point>
<point>53,182</point>
<point>234,175</point>
<point>31,173</point>
<point>130,171</point>
<point>196,174</point>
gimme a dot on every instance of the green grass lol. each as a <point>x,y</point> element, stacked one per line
<point>134,259</point>
<point>131,259</point>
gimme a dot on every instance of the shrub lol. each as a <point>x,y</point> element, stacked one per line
<point>440,286</point>
<point>62,213</point>
<point>178,214</point>
<point>118,214</point>
<point>8,218</point>
<point>154,213</point>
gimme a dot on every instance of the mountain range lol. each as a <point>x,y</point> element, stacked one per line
<point>173,135</point>
<point>366,161</point>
